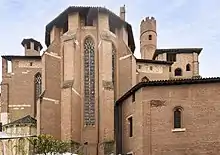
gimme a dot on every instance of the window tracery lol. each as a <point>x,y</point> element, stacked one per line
<point>89,82</point>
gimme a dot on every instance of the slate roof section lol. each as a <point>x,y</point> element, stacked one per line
<point>26,41</point>
<point>154,61</point>
<point>24,120</point>
<point>10,57</point>
<point>177,50</point>
<point>90,12</point>
<point>167,83</point>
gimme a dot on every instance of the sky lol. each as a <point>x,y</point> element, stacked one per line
<point>180,23</point>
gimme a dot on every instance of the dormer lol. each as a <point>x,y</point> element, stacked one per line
<point>32,47</point>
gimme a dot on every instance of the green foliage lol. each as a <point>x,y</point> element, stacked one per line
<point>44,144</point>
<point>109,146</point>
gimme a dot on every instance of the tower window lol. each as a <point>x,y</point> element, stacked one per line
<point>28,45</point>
<point>177,118</point>
<point>188,67</point>
<point>178,72</point>
<point>150,37</point>
<point>31,63</point>
<point>151,68</point>
<point>35,47</point>
<point>130,125</point>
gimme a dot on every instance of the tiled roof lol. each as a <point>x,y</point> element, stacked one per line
<point>166,83</point>
<point>177,50</point>
<point>25,120</point>
<point>10,57</point>
<point>154,61</point>
<point>114,21</point>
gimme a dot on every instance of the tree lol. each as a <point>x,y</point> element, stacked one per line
<point>44,144</point>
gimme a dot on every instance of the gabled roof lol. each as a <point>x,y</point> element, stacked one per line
<point>24,120</point>
<point>10,57</point>
<point>167,83</point>
<point>154,61</point>
<point>177,50</point>
<point>90,12</point>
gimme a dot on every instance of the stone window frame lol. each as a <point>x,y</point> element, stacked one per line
<point>181,127</point>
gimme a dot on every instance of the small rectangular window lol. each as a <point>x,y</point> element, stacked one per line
<point>130,121</point>
<point>133,97</point>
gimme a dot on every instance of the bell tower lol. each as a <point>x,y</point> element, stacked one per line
<point>32,47</point>
<point>148,38</point>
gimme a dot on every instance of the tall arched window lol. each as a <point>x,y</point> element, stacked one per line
<point>37,90</point>
<point>188,67</point>
<point>89,82</point>
<point>178,72</point>
<point>177,118</point>
<point>113,62</point>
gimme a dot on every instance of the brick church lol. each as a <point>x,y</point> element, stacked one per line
<point>89,87</point>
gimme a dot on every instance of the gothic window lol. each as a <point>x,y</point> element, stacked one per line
<point>177,118</point>
<point>188,67</point>
<point>38,87</point>
<point>89,82</point>
<point>113,62</point>
<point>178,72</point>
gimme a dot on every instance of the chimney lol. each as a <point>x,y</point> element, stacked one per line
<point>122,13</point>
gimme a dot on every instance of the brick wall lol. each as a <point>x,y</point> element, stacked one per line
<point>155,113</point>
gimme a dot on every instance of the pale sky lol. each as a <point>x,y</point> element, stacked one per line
<point>180,23</point>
